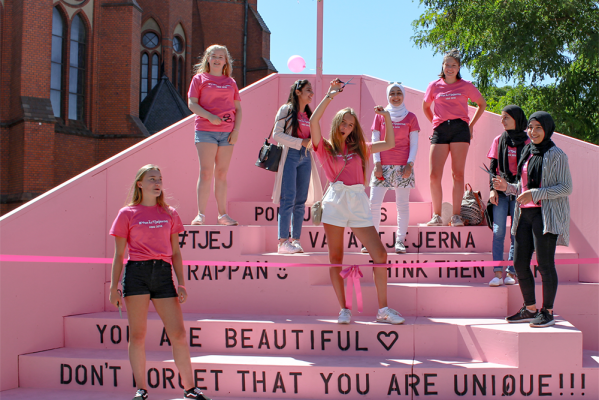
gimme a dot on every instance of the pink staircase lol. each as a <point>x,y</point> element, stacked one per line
<point>270,332</point>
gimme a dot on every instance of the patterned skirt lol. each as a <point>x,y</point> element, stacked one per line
<point>393,178</point>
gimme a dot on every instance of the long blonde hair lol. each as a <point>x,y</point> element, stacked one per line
<point>135,193</point>
<point>204,65</point>
<point>355,142</point>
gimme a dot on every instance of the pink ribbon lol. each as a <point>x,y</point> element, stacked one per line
<point>353,275</point>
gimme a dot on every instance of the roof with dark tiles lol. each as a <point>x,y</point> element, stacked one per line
<point>162,107</point>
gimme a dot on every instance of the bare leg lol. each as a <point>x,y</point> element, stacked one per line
<point>207,156</point>
<point>371,240</point>
<point>335,243</point>
<point>170,313</point>
<point>223,160</point>
<point>137,315</point>
<point>437,158</point>
<point>459,152</point>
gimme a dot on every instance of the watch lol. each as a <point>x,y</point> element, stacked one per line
<point>411,164</point>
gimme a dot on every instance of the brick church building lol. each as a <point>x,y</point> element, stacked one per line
<point>81,80</point>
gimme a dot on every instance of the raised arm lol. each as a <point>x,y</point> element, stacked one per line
<point>334,90</point>
<point>389,142</point>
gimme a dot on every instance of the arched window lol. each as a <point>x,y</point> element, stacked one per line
<point>77,70</point>
<point>180,77</point>
<point>144,75</point>
<point>155,61</point>
<point>174,72</point>
<point>56,74</point>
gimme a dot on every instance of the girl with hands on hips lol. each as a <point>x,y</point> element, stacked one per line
<point>214,98</point>
<point>344,158</point>
<point>393,168</point>
<point>541,216</point>
<point>150,228</point>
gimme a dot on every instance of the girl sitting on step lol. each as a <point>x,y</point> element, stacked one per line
<point>541,218</point>
<point>149,228</point>
<point>214,98</point>
<point>297,171</point>
<point>394,169</point>
<point>344,158</point>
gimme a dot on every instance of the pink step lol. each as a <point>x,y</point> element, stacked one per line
<point>411,299</point>
<point>251,334</point>
<point>309,376</point>
<point>266,213</point>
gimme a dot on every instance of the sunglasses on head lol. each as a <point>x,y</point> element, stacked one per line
<point>394,83</point>
<point>298,85</point>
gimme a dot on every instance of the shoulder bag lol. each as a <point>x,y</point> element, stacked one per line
<point>472,207</point>
<point>317,207</point>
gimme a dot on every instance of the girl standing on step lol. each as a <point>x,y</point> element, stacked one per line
<point>452,132</point>
<point>504,154</point>
<point>344,158</point>
<point>394,169</point>
<point>214,98</point>
<point>541,218</point>
<point>297,171</point>
<point>149,228</point>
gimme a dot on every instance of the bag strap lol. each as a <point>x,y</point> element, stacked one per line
<point>330,183</point>
<point>275,124</point>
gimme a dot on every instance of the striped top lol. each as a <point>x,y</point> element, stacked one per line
<point>556,186</point>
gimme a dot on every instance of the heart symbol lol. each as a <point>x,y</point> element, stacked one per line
<point>387,334</point>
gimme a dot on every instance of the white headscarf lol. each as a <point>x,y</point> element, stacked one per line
<point>400,112</point>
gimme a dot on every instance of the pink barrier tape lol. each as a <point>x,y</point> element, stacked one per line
<point>353,275</point>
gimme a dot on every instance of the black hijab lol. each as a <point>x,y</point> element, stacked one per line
<point>535,165</point>
<point>514,138</point>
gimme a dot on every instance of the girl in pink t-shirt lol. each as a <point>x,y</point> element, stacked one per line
<point>344,158</point>
<point>452,132</point>
<point>214,98</point>
<point>393,169</point>
<point>150,229</point>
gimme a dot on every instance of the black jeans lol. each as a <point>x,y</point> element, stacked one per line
<point>529,237</point>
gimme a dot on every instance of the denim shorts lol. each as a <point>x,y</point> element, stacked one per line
<point>218,138</point>
<point>153,277</point>
<point>451,131</point>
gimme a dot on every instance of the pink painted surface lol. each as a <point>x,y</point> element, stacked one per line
<point>73,220</point>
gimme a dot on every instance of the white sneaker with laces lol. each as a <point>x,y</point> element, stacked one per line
<point>297,246</point>
<point>456,220</point>
<point>286,248</point>
<point>390,316</point>
<point>496,282</point>
<point>364,250</point>
<point>344,316</point>
<point>509,280</point>
<point>400,248</point>
<point>226,220</point>
<point>435,221</point>
<point>199,219</point>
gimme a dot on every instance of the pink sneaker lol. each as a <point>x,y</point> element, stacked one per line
<point>198,220</point>
<point>226,220</point>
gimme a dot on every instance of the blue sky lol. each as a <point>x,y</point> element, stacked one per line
<point>360,37</point>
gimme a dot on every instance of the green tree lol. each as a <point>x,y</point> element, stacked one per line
<point>525,41</point>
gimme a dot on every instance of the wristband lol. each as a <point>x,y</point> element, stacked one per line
<point>329,96</point>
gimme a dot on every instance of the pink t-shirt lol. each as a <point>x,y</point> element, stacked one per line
<point>512,155</point>
<point>216,94</point>
<point>525,185</point>
<point>352,174</point>
<point>304,126</point>
<point>400,153</point>
<point>148,231</point>
<point>451,101</point>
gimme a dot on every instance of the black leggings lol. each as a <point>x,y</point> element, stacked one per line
<point>529,237</point>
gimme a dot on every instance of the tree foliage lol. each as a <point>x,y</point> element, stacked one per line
<point>525,41</point>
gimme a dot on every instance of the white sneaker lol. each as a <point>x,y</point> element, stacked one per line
<point>364,250</point>
<point>456,220</point>
<point>226,220</point>
<point>509,280</point>
<point>496,282</point>
<point>344,316</point>
<point>400,248</point>
<point>297,246</point>
<point>199,219</point>
<point>286,248</point>
<point>435,221</point>
<point>390,316</point>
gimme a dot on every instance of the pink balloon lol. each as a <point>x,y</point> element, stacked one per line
<point>296,64</point>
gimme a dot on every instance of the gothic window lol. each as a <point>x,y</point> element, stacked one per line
<point>177,44</point>
<point>150,40</point>
<point>154,74</point>
<point>180,77</point>
<point>77,69</point>
<point>144,75</point>
<point>174,72</point>
<point>56,63</point>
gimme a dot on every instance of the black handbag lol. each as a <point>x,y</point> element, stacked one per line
<point>489,214</point>
<point>269,155</point>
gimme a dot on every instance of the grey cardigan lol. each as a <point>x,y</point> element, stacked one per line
<point>556,186</point>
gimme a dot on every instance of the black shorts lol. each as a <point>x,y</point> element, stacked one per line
<point>153,277</point>
<point>451,131</point>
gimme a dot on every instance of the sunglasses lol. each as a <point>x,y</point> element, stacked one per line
<point>394,83</point>
<point>298,85</point>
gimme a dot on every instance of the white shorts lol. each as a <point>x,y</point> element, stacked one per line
<point>346,206</point>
